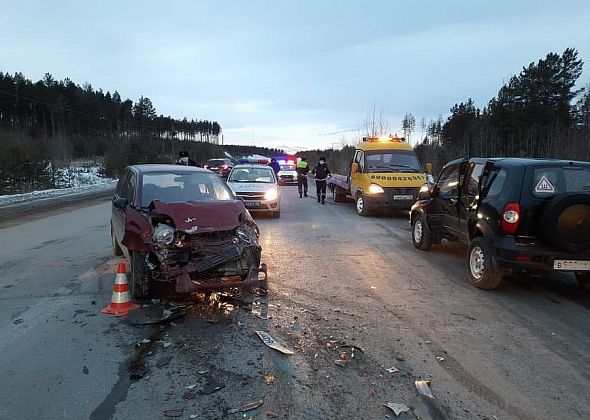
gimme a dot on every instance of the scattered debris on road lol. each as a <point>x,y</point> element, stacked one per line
<point>211,386</point>
<point>392,369</point>
<point>423,388</point>
<point>440,359</point>
<point>246,407</point>
<point>190,387</point>
<point>272,343</point>
<point>270,379</point>
<point>397,408</point>
<point>272,414</point>
<point>155,313</point>
<point>174,413</point>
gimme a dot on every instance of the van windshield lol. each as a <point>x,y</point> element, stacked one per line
<point>392,161</point>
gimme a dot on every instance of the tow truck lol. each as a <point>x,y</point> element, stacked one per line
<point>384,173</point>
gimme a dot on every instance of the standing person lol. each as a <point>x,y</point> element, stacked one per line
<point>429,176</point>
<point>302,170</point>
<point>184,159</point>
<point>321,172</point>
<point>275,166</point>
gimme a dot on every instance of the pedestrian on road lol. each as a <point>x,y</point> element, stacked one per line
<point>185,159</point>
<point>302,170</point>
<point>321,172</point>
<point>275,166</point>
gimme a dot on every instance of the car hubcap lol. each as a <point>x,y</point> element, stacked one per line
<point>359,205</point>
<point>418,231</point>
<point>476,262</point>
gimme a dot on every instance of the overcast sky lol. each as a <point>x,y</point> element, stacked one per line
<point>292,73</point>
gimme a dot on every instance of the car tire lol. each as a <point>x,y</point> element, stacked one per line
<point>583,280</point>
<point>421,235</point>
<point>361,205</point>
<point>140,276</point>
<point>117,251</point>
<point>480,265</point>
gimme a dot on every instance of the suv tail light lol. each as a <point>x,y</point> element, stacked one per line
<point>510,218</point>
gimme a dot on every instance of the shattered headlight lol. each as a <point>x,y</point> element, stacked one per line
<point>163,234</point>
<point>243,235</point>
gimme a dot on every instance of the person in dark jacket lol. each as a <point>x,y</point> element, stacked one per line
<point>185,159</point>
<point>321,172</point>
<point>302,169</point>
<point>275,166</point>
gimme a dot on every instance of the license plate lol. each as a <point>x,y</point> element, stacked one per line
<point>252,203</point>
<point>571,265</point>
<point>403,197</point>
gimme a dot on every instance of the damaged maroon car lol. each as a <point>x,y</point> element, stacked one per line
<point>183,225</point>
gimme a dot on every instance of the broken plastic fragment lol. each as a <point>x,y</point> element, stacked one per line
<point>440,359</point>
<point>145,341</point>
<point>272,343</point>
<point>174,413</point>
<point>423,388</point>
<point>246,407</point>
<point>190,387</point>
<point>392,369</point>
<point>270,379</point>
<point>397,408</point>
<point>212,385</point>
<point>340,362</point>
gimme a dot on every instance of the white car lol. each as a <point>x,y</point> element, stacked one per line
<point>287,174</point>
<point>258,186</point>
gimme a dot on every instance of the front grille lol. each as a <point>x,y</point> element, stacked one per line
<point>251,196</point>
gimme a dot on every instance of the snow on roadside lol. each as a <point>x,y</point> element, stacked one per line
<point>74,180</point>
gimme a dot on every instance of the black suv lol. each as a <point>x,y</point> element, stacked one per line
<point>516,215</point>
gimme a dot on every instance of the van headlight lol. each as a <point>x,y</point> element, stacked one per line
<point>375,189</point>
<point>271,194</point>
<point>163,234</point>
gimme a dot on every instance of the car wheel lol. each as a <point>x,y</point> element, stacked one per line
<point>361,205</point>
<point>421,236</point>
<point>480,265</point>
<point>117,251</point>
<point>140,276</point>
<point>583,280</point>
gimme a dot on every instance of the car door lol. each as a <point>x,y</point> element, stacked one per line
<point>442,209</point>
<point>469,200</point>
<point>356,177</point>
<point>125,189</point>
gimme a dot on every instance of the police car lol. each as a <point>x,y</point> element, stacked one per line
<point>287,174</point>
<point>257,185</point>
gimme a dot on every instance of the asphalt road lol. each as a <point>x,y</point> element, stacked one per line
<point>341,285</point>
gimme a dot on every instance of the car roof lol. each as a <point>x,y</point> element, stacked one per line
<point>160,167</point>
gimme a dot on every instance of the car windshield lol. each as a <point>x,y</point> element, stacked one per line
<point>392,161</point>
<point>216,162</point>
<point>183,187</point>
<point>263,175</point>
<point>549,181</point>
<point>287,167</point>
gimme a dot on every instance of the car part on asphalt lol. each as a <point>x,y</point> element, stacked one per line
<point>246,407</point>
<point>272,343</point>
<point>212,385</point>
<point>153,314</point>
<point>423,388</point>
<point>397,408</point>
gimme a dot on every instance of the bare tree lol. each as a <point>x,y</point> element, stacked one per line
<point>375,124</point>
<point>408,125</point>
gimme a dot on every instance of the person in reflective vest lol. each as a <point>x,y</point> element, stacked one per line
<point>302,169</point>
<point>321,172</point>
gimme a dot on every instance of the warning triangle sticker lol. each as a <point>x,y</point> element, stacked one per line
<point>544,186</point>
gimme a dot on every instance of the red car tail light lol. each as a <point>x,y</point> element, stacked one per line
<point>510,218</point>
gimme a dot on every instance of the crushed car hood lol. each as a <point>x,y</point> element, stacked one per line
<point>197,217</point>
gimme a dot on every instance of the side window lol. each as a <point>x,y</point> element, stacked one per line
<point>473,179</point>
<point>495,182</point>
<point>448,183</point>
<point>129,187</point>
<point>123,179</point>
<point>361,161</point>
<point>358,158</point>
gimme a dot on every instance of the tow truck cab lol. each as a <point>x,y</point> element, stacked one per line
<point>384,174</point>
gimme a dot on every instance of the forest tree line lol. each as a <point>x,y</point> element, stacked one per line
<point>48,123</point>
<point>537,113</point>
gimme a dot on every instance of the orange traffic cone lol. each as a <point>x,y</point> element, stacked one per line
<point>120,302</point>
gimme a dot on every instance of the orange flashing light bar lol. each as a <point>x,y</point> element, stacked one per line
<point>384,139</point>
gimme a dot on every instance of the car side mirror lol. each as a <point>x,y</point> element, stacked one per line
<point>120,203</point>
